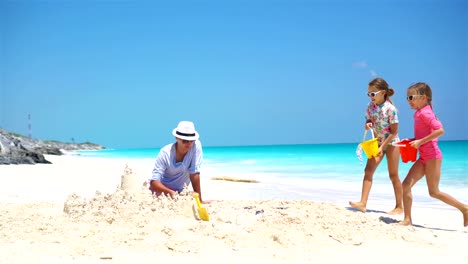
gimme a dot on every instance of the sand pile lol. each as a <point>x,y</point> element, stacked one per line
<point>131,224</point>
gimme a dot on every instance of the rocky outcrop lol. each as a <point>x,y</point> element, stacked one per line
<point>17,149</point>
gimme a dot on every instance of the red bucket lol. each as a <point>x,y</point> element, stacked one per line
<point>408,153</point>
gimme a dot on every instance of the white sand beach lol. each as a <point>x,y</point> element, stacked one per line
<point>95,210</point>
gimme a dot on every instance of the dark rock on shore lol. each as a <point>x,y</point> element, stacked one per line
<point>17,149</point>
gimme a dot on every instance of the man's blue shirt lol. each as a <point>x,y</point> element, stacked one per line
<point>175,175</point>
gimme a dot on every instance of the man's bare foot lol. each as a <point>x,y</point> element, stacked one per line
<point>396,211</point>
<point>405,222</point>
<point>358,205</point>
<point>465,216</point>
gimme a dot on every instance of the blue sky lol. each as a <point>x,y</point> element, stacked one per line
<point>124,73</point>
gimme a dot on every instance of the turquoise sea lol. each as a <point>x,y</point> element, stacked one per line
<point>321,172</point>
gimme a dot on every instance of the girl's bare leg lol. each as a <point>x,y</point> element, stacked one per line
<point>414,175</point>
<point>433,168</point>
<point>371,166</point>
<point>393,160</point>
<point>465,216</point>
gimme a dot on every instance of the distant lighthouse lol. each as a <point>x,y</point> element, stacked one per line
<point>29,126</point>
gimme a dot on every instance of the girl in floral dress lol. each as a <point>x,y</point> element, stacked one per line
<point>382,118</point>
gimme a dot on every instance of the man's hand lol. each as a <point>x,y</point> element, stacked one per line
<point>172,194</point>
<point>201,200</point>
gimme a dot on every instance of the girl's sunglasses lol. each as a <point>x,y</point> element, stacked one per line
<point>411,97</point>
<point>186,141</point>
<point>373,94</point>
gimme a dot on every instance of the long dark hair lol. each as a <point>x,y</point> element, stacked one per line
<point>381,84</point>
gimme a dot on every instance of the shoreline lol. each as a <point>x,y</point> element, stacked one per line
<point>85,175</point>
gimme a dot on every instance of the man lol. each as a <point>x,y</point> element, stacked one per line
<point>178,164</point>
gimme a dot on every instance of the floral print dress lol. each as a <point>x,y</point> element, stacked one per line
<point>382,116</point>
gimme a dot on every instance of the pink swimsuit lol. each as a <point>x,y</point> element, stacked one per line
<point>425,122</point>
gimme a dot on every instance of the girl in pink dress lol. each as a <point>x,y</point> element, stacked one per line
<point>427,128</point>
<point>382,118</point>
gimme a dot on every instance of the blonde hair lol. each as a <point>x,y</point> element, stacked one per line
<point>422,89</point>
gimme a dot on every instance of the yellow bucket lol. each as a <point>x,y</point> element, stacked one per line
<point>371,146</point>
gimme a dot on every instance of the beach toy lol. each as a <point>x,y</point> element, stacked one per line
<point>202,212</point>
<point>371,146</point>
<point>407,152</point>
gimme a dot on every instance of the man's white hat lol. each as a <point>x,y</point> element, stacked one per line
<point>185,130</point>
